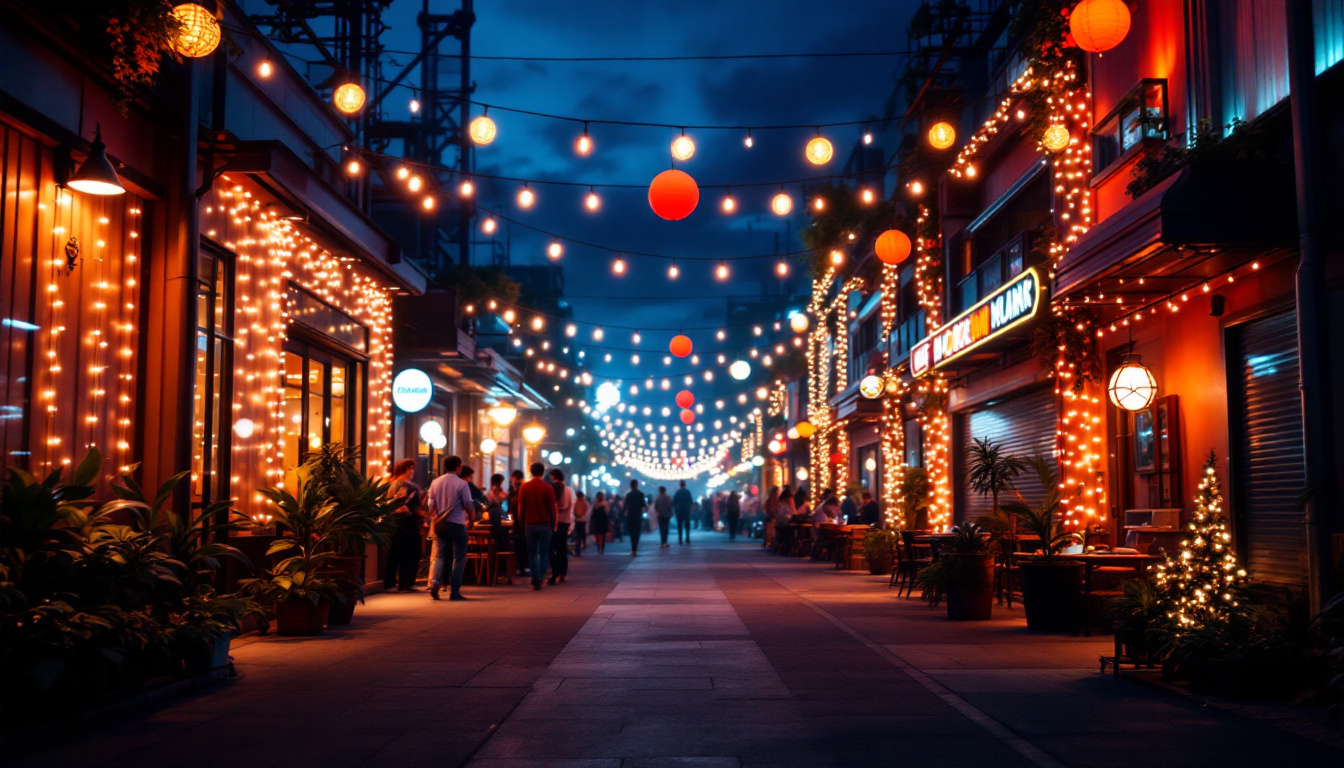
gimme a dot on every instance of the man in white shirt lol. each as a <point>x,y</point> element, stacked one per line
<point>564,502</point>
<point>450,506</point>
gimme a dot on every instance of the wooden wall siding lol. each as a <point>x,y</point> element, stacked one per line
<point>70,384</point>
<point>269,253</point>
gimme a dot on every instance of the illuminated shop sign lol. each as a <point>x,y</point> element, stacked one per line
<point>412,390</point>
<point>1012,304</point>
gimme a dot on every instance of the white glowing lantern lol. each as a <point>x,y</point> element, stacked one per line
<point>488,446</point>
<point>819,151</point>
<point>608,394</point>
<point>503,414</point>
<point>1132,386</point>
<point>244,428</point>
<point>482,130</point>
<point>799,323</point>
<point>534,433</point>
<point>870,386</point>
<point>781,204</point>
<point>439,443</point>
<point>740,370</point>
<point>801,474</point>
<point>683,148</point>
<point>430,430</point>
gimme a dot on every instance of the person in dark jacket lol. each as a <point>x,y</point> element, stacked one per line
<point>682,502</point>
<point>601,521</point>
<point>849,511</point>
<point>868,513</point>
<point>733,513</point>
<point>635,502</point>
<point>403,552</point>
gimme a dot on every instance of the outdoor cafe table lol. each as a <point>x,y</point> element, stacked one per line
<point>851,537</point>
<point>1093,560</point>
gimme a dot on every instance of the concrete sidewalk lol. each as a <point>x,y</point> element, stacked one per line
<point>713,654</point>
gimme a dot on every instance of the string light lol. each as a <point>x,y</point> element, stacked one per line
<point>673,272</point>
<point>353,167</point>
<point>555,250</point>
<point>618,266</point>
<point>466,189</point>
<point>782,268</point>
<point>482,129</point>
<point>584,144</point>
<point>526,197</point>
<point>265,69</point>
<point>729,204</point>
<point>748,141</point>
<point>781,204</point>
<point>683,148</point>
<point>428,203</point>
<point>722,271</point>
<point>489,225</point>
<point>592,202</point>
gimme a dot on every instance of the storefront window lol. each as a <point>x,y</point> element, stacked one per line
<point>214,342</point>
<point>322,396</point>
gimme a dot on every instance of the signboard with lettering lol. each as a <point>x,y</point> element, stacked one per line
<point>412,390</point>
<point>1014,303</point>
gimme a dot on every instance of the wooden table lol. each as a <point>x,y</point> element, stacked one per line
<point>1093,560</point>
<point>851,538</point>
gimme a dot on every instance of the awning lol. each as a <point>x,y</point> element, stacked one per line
<point>1198,223</point>
<point>287,176</point>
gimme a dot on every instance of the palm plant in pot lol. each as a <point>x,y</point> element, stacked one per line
<point>295,589</point>
<point>363,516</point>
<point>879,549</point>
<point>963,573</point>
<point>1051,587</point>
<point>991,472</point>
<point>1141,622</point>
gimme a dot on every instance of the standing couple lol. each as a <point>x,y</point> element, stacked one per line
<point>546,512</point>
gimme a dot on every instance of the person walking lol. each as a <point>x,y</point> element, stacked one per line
<point>682,504</point>
<point>616,512</point>
<point>450,505</point>
<point>537,511</point>
<point>581,509</point>
<point>662,508</point>
<point>519,529</point>
<point>733,511</point>
<point>600,522</point>
<point>403,551</point>
<point>564,502</point>
<point>635,502</point>
<point>771,511</point>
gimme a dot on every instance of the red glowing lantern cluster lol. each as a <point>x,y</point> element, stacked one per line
<point>681,346</point>
<point>685,399</point>
<point>892,247</point>
<point>673,195</point>
<point>687,416</point>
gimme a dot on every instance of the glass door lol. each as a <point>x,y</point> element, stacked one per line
<point>322,400</point>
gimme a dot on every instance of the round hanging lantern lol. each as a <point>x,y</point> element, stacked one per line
<point>870,386</point>
<point>482,130</point>
<point>740,370</point>
<point>685,399</point>
<point>534,433</point>
<point>673,195</point>
<point>781,204</point>
<point>687,416</point>
<point>942,135</point>
<point>680,346</point>
<point>683,148</point>
<point>792,434</point>
<point>819,151</point>
<point>892,247</point>
<point>1055,138</point>
<point>1099,25</point>
<point>805,429</point>
<point>799,323</point>
<point>488,446</point>
<point>1132,386</point>
<point>348,98</point>
<point>197,31</point>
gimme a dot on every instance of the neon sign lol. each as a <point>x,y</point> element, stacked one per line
<point>1014,303</point>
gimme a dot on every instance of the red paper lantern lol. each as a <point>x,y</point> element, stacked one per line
<point>680,346</point>
<point>687,416</point>
<point>685,399</point>
<point>1099,25</point>
<point>837,458</point>
<point>673,195</point>
<point>893,247</point>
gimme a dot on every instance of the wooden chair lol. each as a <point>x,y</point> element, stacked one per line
<point>824,547</point>
<point>915,558</point>
<point>479,547</point>
<point>802,541</point>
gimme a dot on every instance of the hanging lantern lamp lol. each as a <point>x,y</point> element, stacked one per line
<point>942,135</point>
<point>1099,25</point>
<point>1132,386</point>
<point>680,346</point>
<point>1055,138</point>
<point>673,195</point>
<point>819,150</point>
<point>348,98</point>
<point>892,247</point>
<point>96,176</point>
<point>197,31</point>
<point>482,129</point>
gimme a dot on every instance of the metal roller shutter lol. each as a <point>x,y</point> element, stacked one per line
<point>1025,427</point>
<point>1267,459</point>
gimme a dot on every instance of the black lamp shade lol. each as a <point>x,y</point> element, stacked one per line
<point>95,175</point>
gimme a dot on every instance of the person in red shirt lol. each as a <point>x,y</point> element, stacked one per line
<point>538,512</point>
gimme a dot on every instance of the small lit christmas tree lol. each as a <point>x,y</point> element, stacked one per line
<point>1201,584</point>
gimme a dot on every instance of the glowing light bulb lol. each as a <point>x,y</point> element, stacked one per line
<point>265,68</point>
<point>782,269</point>
<point>598,334</point>
<point>428,203</point>
<point>554,251</point>
<point>482,130</point>
<point>403,173</point>
<point>592,202</point>
<point>467,189</point>
<point>916,187</point>
<point>819,203</point>
<point>837,258</point>
<point>488,226</point>
<point>673,272</point>
<point>618,266</point>
<point>722,271</point>
<point>415,183</point>
<point>867,138</point>
<point>942,135</point>
<point>970,171</point>
<point>683,148</point>
<point>729,204</point>
<point>867,195</point>
<point>584,144</point>
<point>781,204</point>
<point>526,198</point>
<point>348,98</point>
<point>819,151</point>
<point>354,168</point>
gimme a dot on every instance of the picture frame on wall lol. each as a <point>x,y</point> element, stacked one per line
<point>1145,442</point>
<point>1167,428</point>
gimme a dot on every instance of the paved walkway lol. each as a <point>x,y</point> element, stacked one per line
<point>708,655</point>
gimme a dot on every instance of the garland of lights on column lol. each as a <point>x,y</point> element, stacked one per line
<point>822,345</point>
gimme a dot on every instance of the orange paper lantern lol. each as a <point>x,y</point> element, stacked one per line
<point>680,346</point>
<point>1099,25</point>
<point>687,416</point>
<point>893,247</point>
<point>673,195</point>
<point>685,399</point>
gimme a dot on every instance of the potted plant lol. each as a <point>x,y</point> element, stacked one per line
<point>963,573</point>
<point>1140,615</point>
<point>1051,587</point>
<point>879,549</point>
<point>914,502</point>
<point>991,472</point>
<point>363,516</point>
<point>297,593</point>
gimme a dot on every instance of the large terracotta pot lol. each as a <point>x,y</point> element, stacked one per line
<point>344,568</point>
<point>972,602</point>
<point>1051,594</point>
<point>880,566</point>
<point>298,617</point>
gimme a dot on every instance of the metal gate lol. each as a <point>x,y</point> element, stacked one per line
<point>1024,426</point>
